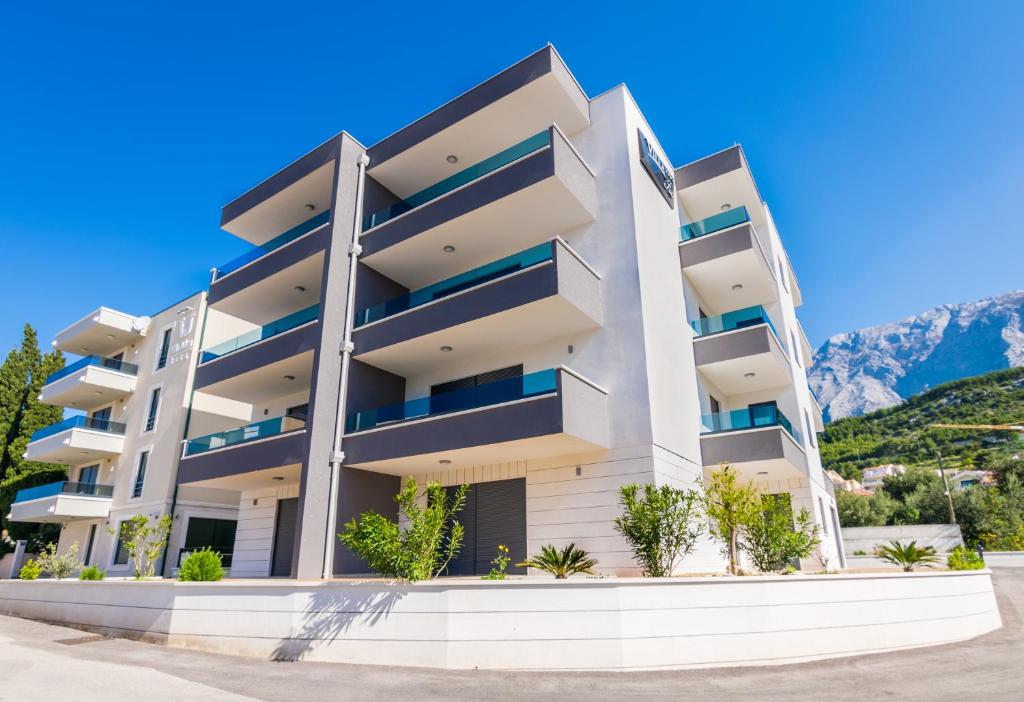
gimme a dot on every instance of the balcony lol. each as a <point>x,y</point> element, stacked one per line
<point>254,455</point>
<point>257,252</point>
<point>101,333</point>
<point>740,353</point>
<point>714,223</point>
<point>267,331</point>
<point>759,441</point>
<point>62,502</point>
<point>89,381</point>
<point>547,413</point>
<point>544,292</point>
<point>725,263</point>
<point>76,440</point>
<point>721,181</point>
<point>511,201</point>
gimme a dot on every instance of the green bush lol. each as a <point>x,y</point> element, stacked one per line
<point>201,566</point>
<point>59,565</point>
<point>962,558</point>
<point>661,524</point>
<point>907,556</point>
<point>773,538</point>
<point>30,571</point>
<point>92,573</point>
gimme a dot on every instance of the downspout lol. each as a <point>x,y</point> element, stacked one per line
<point>337,455</point>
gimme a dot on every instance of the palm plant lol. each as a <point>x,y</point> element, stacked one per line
<point>561,563</point>
<point>907,556</point>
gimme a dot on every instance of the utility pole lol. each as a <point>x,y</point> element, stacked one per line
<point>945,486</point>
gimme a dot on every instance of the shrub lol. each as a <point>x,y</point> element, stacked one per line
<point>661,525</point>
<point>772,540</point>
<point>92,573</point>
<point>422,547</point>
<point>59,565</point>
<point>30,570</point>
<point>499,564</point>
<point>561,564</point>
<point>860,552</point>
<point>144,541</point>
<point>729,507</point>
<point>201,566</point>
<point>962,558</point>
<point>907,556</point>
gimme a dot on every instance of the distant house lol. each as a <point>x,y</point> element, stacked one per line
<point>966,478</point>
<point>841,483</point>
<point>874,476</point>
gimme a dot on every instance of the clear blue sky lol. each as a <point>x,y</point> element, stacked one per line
<point>885,136</point>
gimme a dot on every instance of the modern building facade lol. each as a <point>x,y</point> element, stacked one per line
<point>516,291</point>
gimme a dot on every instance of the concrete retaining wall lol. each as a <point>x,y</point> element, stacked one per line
<point>607,624</point>
<point>944,537</point>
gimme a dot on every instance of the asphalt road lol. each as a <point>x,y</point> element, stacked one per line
<point>41,662</point>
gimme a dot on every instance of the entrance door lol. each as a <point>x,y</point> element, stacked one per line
<point>284,537</point>
<point>217,534</point>
<point>87,479</point>
<point>89,544</point>
<point>495,513</point>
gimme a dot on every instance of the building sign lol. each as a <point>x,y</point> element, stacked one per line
<point>660,173</point>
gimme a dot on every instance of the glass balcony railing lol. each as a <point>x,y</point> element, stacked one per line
<point>79,422</point>
<point>714,223</point>
<point>737,319</point>
<point>483,395</point>
<point>496,269</point>
<point>767,415</point>
<point>99,361</point>
<point>527,146</point>
<point>241,435</point>
<point>275,243</point>
<point>64,487</point>
<point>265,332</point>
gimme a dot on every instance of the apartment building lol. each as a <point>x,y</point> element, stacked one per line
<point>130,390</point>
<point>516,291</point>
<point>873,478</point>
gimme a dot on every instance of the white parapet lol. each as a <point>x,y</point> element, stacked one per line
<point>578,624</point>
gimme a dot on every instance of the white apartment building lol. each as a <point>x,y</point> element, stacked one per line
<point>516,291</point>
<point>873,477</point>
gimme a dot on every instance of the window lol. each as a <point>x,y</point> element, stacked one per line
<point>716,406</point>
<point>154,407</point>
<point>89,544</point>
<point>165,348</point>
<point>87,479</point>
<point>796,349</point>
<point>782,275</point>
<point>810,430</point>
<point>120,552</point>
<point>140,474</point>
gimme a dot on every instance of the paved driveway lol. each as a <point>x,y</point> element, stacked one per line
<point>40,662</point>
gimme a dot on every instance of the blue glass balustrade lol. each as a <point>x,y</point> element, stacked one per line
<point>527,146</point>
<point>714,223</point>
<point>483,395</point>
<point>766,415</point>
<point>100,361</point>
<point>64,487</point>
<point>275,243</point>
<point>79,422</point>
<point>241,435</point>
<point>510,264</point>
<point>737,319</point>
<point>265,332</point>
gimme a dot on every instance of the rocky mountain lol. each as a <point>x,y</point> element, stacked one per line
<point>877,367</point>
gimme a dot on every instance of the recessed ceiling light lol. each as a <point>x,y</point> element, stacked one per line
<point>96,392</point>
<point>300,288</point>
<point>726,206</point>
<point>448,248</point>
<point>444,462</point>
<point>446,349</point>
<point>278,478</point>
<point>737,287</point>
<point>289,377</point>
<point>110,336</point>
<point>749,375</point>
<point>85,350</point>
<point>451,158</point>
<point>762,472</point>
<point>310,206</point>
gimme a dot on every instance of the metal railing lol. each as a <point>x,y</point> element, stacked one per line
<point>64,487</point>
<point>714,223</point>
<point>99,361</point>
<point>80,422</point>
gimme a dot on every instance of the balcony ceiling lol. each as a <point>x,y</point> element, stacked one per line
<point>770,369</point>
<point>733,188</point>
<point>276,296</point>
<point>715,279</point>
<point>101,332</point>
<point>254,480</point>
<point>266,382</point>
<point>550,99</point>
<point>89,387</point>
<point>285,209</point>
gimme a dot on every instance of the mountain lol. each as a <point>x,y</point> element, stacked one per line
<point>879,367</point>
<point>903,434</point>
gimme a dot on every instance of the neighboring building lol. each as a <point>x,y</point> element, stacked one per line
<point>873,477</point>
<point>132,383</point>
<point>538,305</point>
<point>842,483</point>
<point>966,478</point>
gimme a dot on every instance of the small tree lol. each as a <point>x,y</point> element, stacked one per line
<point>421,548</point>
<point>144,542</point>
<point>201,566</point>
<point>660,525</point>
<point>772,540</point>
<point>729,507</point>
<point>561,563</point>
<point>907,556</point>
<point>59,565</point>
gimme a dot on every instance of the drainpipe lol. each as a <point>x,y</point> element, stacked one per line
<point>337,455</point>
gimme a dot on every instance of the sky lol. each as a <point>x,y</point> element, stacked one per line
<point>886,137</point>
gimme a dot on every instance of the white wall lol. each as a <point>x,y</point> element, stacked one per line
<point>254,537</point>
<point>942,537</point>
<point>576,624</point>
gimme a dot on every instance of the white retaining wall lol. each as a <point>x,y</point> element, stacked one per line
<point>944,537</point>
<point>606,624</point>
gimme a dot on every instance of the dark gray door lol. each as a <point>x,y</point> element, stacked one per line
<point>495,513</point>
<point>284,537</point>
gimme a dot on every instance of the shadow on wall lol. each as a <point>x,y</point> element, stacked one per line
<point>332,613</point>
